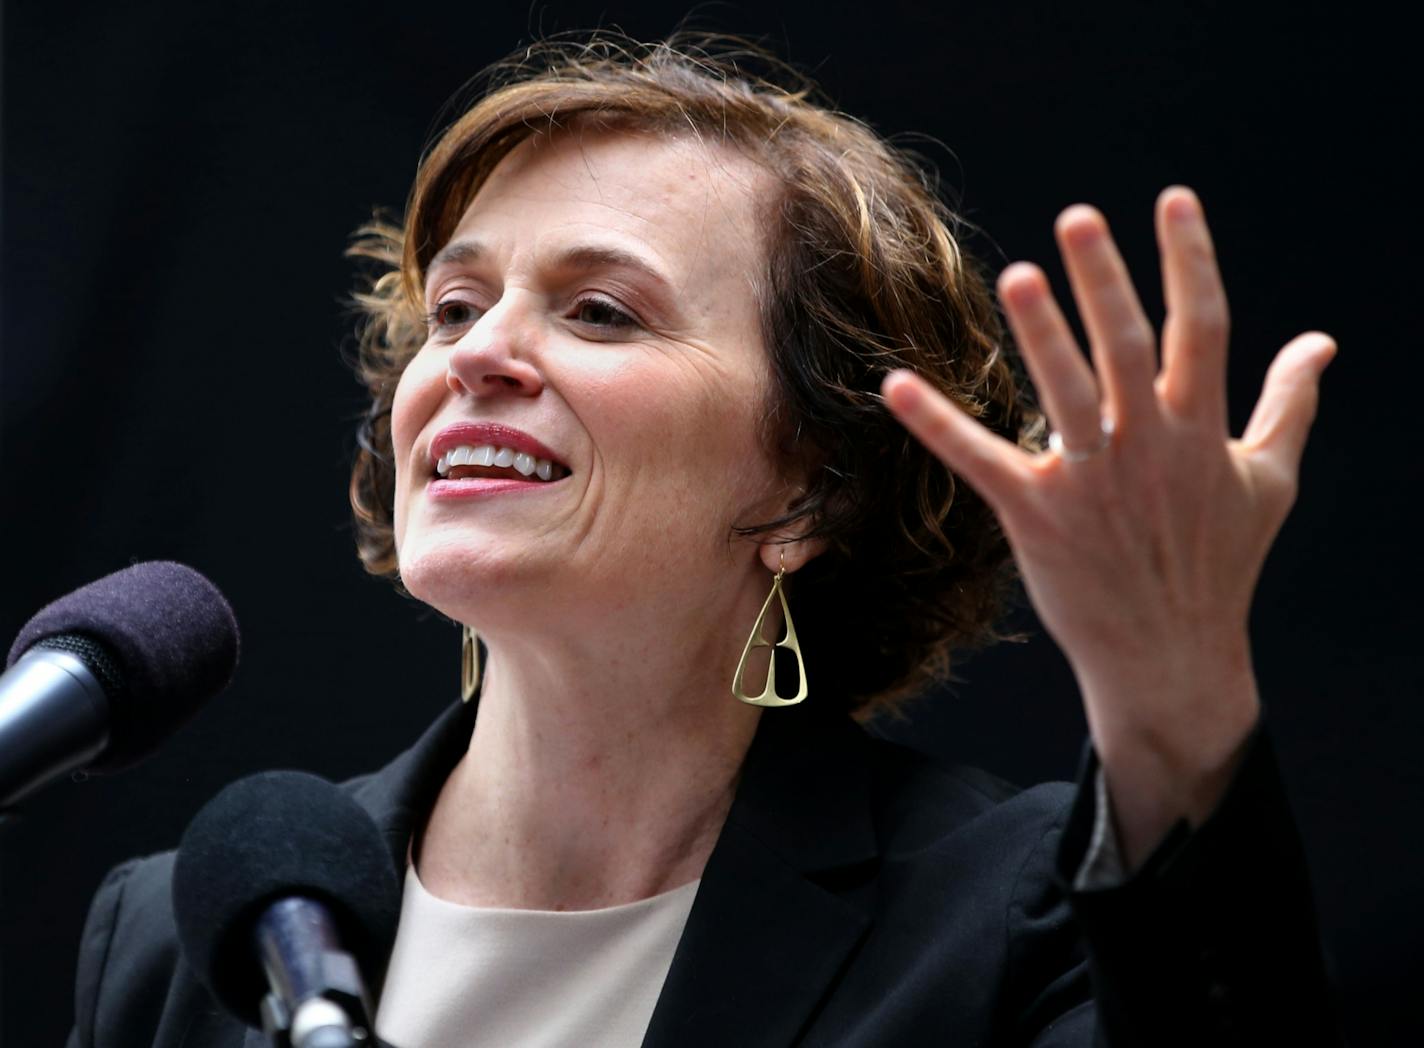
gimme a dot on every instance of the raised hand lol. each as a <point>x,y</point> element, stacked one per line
<point>1141,532</point>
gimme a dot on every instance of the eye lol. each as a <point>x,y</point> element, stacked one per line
<point>451,313</point>
<point>599,312</point>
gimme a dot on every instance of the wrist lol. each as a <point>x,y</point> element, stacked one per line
<point>1169,734</point>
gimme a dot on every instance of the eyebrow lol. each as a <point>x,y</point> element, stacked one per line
<point>460,252</point>
<point>596,257</point>
<point>582,256</point>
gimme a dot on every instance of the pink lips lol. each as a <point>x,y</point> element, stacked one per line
<point>476,487</point>
<point>477,433</point>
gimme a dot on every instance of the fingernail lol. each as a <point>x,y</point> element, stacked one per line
<point>1021,281</point>
<point>903,395</point>
<point>1184,205</point>
<point>1081,223</point>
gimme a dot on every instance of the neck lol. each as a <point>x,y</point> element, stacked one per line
<point>600,770</point>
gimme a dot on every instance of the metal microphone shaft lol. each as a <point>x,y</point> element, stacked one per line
<point>54,719</point>
<point>313,979</point>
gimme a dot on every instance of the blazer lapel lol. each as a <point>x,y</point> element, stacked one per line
<point>400,795</point>
<point>781,904</point>
<point>778,911</point>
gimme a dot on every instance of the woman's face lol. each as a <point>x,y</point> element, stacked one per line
<point>594,307</point>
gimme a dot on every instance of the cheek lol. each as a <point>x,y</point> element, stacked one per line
<point>403,425</point>
<point>653,413</point>
<point>418,395</point>
<point>692,437</point>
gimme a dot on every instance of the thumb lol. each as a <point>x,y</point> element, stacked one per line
<point>1283,414</point>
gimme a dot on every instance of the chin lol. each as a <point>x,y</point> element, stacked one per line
<point>462,582</point>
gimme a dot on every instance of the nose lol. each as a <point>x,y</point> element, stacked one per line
<point>492,357</point>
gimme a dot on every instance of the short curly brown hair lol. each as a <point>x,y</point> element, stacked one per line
<point>864,273</point>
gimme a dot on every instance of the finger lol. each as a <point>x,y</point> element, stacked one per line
<point>1065,383</point>
<point>997,469</point>
<point>1283,414</point>
<point>1194,337</point>
<point>1121,338</point>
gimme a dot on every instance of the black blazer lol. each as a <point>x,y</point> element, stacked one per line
<point>861,896</point>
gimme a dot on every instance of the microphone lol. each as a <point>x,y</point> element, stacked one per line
<point>284,892</point>
<point>101,677</point>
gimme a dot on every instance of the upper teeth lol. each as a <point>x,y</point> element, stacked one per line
<point>494,455</point>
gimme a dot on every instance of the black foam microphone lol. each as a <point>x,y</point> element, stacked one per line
<point>284,893</point>
<point>101,677</point>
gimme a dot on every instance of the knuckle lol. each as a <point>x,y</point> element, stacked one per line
<point>1202,253</point>
<point>1206,322</point>
<point>1134,337</point>
<point>1278,487</point>
<point>1282,495</point>
<point>937,427</point>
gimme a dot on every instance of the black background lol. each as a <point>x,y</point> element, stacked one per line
<point>179,182</point>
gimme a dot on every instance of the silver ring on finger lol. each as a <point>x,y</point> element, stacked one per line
<point>1067,454</point>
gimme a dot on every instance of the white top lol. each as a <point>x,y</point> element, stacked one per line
<point>467,976</point>
<point>474,977</point>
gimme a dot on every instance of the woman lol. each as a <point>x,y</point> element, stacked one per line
<point>630,371</point>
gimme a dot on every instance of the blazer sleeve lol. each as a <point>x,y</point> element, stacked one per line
<point>1213,940</point>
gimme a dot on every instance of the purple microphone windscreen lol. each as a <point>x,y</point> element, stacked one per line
<point>171,644</point>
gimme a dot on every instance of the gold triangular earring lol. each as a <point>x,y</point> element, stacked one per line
<point>768,696</point>
<point>469,663</point>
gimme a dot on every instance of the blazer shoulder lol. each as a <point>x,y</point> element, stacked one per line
<point>921,800</point>
<point>132,985</point>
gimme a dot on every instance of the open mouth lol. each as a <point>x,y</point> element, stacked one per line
<point>491,460</point>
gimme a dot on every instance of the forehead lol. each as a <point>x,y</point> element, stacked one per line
<point>694,206</point>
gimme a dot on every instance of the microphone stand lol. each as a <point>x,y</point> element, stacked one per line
<point>317,999</point>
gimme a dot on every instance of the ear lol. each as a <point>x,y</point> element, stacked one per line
<point>795,553</point>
